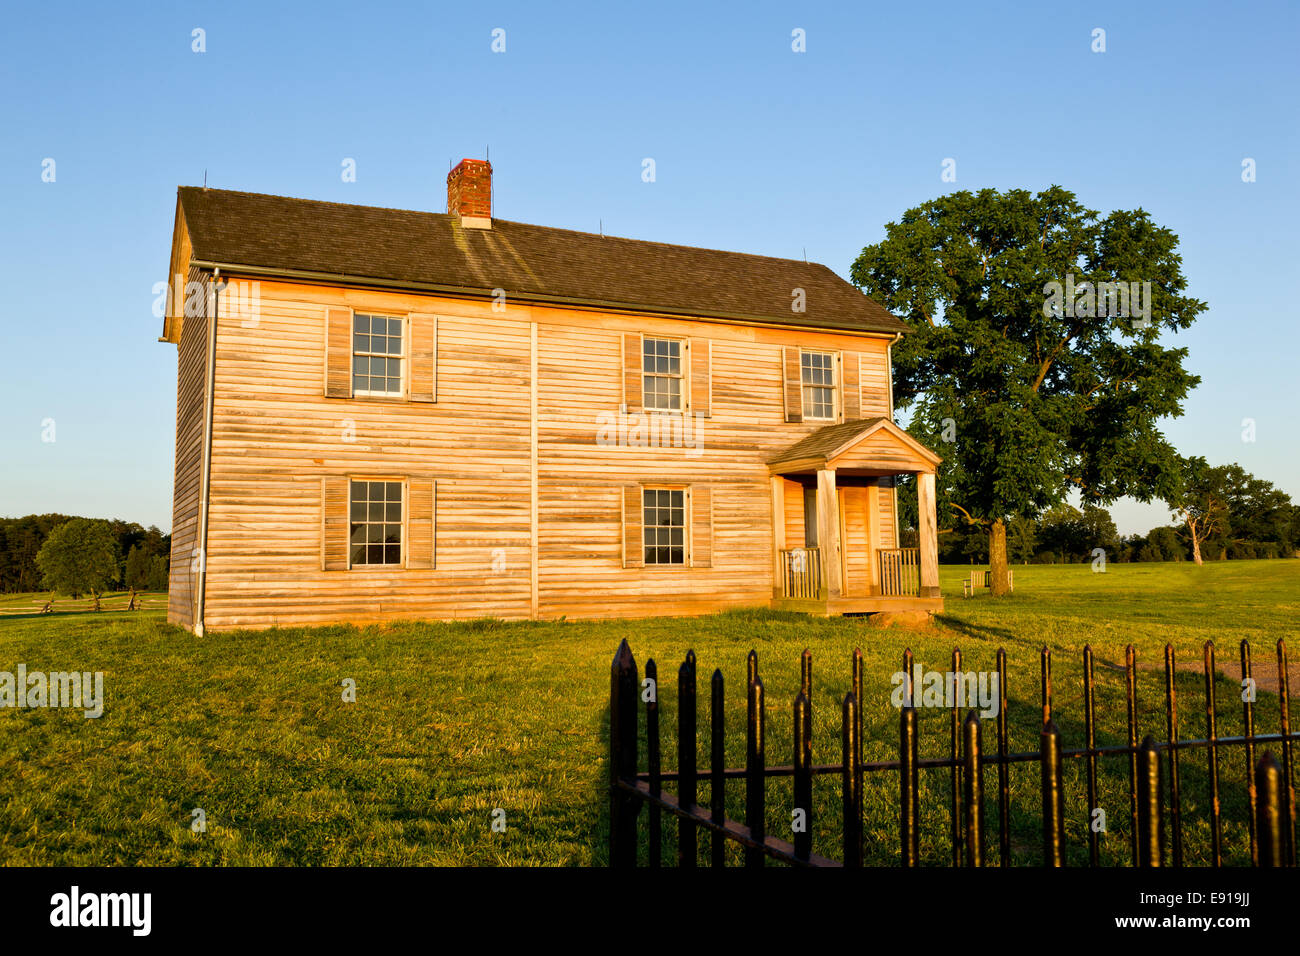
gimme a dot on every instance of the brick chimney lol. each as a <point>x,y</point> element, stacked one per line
<point>469,193</point>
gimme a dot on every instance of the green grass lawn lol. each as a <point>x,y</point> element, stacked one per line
<point>453,720</point>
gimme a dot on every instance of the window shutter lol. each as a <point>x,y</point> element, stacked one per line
<point>852,387</point>
<point>701,526</point>
<point>632,371</point>
<point>421,523</point>
<point>701,377</point>
<point>338,353</point>
<point>424,357</point>
<point>793,386</point>
<point>633,542</point>
<point>335,522</point>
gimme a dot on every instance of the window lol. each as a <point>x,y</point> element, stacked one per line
<point>376,355</point>
<point>818,370</point>
<point>661,367</point>
<point>376,532</point>
<point>663,523</point>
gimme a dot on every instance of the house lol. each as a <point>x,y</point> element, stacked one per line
<point>387,414</point>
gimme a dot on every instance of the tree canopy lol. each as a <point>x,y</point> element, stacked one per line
<point>1023,368</point>
<point>80,556</point>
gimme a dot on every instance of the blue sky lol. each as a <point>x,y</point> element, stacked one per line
<point>757,149</point>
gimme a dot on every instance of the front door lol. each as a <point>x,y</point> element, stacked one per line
<point>855,540</point>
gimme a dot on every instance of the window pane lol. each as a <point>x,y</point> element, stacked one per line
<point>374,554</point>
<point>392,554</point>
<point>360,323</point>
<point>359,555</point>
<point>358,534</point>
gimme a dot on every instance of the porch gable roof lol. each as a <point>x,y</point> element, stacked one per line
<point>891,448</point>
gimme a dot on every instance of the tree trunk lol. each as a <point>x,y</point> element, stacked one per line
<point>1196,549</point>
<point>1000,579</point>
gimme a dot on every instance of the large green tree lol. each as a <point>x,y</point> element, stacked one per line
<point>1020,384</point>
<point>79,556</point>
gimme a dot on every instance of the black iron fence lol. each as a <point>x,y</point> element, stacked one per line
<point>1154,787</point>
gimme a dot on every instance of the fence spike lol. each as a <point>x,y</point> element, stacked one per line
<point>1171,732</point>
<point>623,807</point>
<point>1090,728</point>
<point>1268,787</point>
<point>974,792</point>
<point>1053,796</point>
<point>687,744</point>
<point>1004,769</point>
<point>652,755</point>
<point>851,779</point>
<point>909,799</point>
<point>1212,755</point>
<point>717,766</point>
<point>755,770</point>
<point>1248,724</point>
<point>1151,831</point>
<point>1288,777</point>
<point>802,737</point>
<point>1130,691</point>
<point>955,774</point>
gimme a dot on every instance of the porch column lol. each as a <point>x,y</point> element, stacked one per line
<point>927,534</point>
<point>828,531</point>
<point>778,535</point>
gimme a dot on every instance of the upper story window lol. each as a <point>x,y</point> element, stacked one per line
<point>663,523</point>
<point>818,375</point>
<point>377,344</point>
<point>376,525</point>
<point>661,374</point>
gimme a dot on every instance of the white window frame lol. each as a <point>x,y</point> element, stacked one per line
<point>679,375</point>
<point>804,386</point>
<point>403,357</point>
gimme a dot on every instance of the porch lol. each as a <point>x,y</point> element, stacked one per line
<point>835,542</point>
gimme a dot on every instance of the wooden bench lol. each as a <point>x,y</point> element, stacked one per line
<point>984,579</point>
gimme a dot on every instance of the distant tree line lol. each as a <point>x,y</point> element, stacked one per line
<point>124,554</point>
<point>1224,513</point>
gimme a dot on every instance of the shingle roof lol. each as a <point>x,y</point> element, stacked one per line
<point>432,249</point>
<point>825,441</point>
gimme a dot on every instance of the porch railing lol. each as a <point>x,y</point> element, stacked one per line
<point>801,573</point>
<point>900,572</point>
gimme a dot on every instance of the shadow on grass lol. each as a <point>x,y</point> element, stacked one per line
<point>976,632</point>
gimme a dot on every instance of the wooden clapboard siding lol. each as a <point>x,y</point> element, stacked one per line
<point>277,437</point>
<point>191,412</point>
<point>873,382</point>
<point>883,449</point>
<point>794,523</point>
<point>583,467</point>
<point>888,526</point>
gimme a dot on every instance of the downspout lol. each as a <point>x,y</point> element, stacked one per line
<point>889,357</point>
<point>207,451</point>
